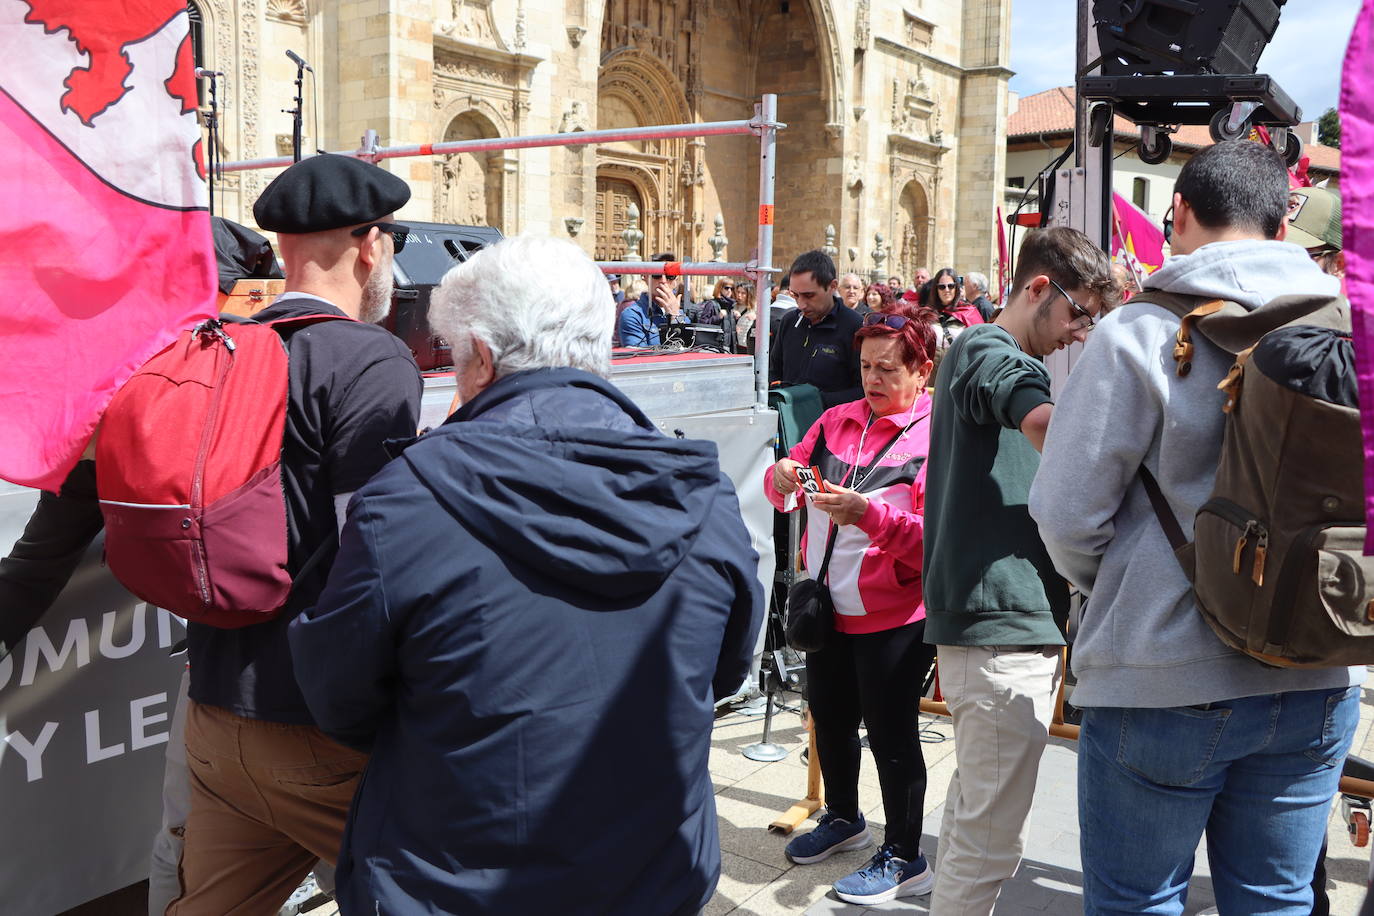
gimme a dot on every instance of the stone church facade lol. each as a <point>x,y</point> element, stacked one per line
<point>895,115</point>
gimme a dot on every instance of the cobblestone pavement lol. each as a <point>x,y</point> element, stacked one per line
<point>758,880</point>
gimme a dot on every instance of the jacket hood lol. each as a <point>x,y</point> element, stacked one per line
<point>557,470</point>
<point>1249,272</point>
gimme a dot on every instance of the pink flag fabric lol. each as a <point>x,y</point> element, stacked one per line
<point>1136,239</point>
<point>105,227</point>
<point>1001,257</point>
<point>1357,213</point>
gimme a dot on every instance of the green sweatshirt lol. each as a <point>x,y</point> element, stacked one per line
<point>988,579</point>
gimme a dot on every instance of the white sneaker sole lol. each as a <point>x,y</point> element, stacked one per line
<point>917,886</point>
<point>857,841</point>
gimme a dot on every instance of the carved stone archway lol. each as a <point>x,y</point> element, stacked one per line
<point>913,240</point>
<point>634,89</point>
<point>469,188</point>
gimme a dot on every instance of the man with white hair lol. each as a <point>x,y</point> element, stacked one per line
<point>976,292</point>
<point>851,292</point>
<point>534,610</point>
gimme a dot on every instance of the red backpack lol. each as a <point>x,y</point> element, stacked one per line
<point>188,468</point>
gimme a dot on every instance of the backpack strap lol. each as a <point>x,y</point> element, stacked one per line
<point>1183,340</point>
<point>1234,328</point>
<point>1167,520</point>
<point>298,321</point>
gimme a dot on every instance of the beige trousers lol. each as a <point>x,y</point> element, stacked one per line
<point>267,801</point>
<point>1002,700</point>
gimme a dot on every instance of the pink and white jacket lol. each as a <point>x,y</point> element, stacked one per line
<point>875,570</point>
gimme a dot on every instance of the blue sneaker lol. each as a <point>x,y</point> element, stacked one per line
<point>885,878</point>
<point>832,835</point>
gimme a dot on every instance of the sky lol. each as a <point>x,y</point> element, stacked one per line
<point>1304,57</point>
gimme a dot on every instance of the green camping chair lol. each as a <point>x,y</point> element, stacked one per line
<point>798,407</point>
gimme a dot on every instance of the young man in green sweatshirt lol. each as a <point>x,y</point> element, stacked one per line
<point>995,607</point>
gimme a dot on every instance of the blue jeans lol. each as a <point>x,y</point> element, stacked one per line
<point>1257,774</point>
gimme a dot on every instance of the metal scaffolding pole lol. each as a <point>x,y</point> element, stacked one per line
<point>766,115</point>
<point>678,268</point>
<point>764,125</point>
<point>574,138</point>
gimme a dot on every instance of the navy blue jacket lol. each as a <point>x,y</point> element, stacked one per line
<point>532,613</point>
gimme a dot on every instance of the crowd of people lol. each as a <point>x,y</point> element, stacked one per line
<point>496,692</point>
<point>646,315</point>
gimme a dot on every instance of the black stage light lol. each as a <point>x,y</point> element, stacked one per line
<point>1152,37</point>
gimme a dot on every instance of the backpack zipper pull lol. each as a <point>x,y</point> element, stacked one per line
<point>1240,546</point>
<point>1261,552</point>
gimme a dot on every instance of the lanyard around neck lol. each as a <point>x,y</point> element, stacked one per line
<point>856,476</point>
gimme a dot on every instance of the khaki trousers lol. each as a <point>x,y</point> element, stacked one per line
<point>1002,700</point>
<point>267,800</point>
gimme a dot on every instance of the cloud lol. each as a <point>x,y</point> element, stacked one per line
<point>1304,57</point>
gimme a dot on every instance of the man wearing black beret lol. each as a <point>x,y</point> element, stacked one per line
<point>269,791</point>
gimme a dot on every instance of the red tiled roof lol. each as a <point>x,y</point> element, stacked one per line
<point>1052,112</point>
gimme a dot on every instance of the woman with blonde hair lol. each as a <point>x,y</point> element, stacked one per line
<point>747,315</point>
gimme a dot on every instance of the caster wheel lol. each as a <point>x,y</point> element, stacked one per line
<point>1099,123</point>
<point>1292,151</point>
<point>1359,828</point>
<point>1220,126</point>
<point>1156,149</point>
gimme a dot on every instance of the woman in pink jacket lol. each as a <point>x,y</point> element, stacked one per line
<point>871,454</point>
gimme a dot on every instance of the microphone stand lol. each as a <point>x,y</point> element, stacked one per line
<point>297,112</point>
<point>212,130</point>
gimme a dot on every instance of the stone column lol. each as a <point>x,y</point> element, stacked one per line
<point>982,156</point>
<point>385,54</point>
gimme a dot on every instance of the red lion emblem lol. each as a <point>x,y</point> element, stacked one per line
<point>102,30</point>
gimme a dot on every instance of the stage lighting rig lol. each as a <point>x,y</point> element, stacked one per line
<point>1166,63</point>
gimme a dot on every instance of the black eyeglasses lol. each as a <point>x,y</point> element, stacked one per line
<point>1169,224</point>
<point>895,322</point>
<point>725,286</point>
<point>946,285</point>
<point>1084,321</point>
<point>398,232</point>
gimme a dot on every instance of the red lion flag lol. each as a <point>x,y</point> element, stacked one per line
<point>105,226</point>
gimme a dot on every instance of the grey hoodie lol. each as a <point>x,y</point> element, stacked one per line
<point>1140,640</point>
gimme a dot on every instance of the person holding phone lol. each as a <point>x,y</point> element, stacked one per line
<point>867,514</point>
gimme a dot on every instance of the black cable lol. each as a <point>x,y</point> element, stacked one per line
<point>1025,198</point>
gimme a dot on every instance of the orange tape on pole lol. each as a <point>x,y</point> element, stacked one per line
<point>765,214</point>
<point>672,268</point>
<point>426,149</point>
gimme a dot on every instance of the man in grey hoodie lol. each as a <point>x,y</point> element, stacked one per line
<point>1181,734</point>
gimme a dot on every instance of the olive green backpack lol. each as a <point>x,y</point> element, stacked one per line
<point>1276,560</point>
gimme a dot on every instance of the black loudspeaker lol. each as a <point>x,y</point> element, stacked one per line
<point>1152,37</point>
<point>430,250</point>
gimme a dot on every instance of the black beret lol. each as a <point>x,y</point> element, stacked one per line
<point>329,192</point>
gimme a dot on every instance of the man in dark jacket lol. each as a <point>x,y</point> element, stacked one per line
<point>534,610</point>
<point>814,343</point>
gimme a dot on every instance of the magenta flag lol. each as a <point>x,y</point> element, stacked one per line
<point>105,227</point>
<point>1001,257</point>
<point>1136,239</point>
<point>1357,213</point>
